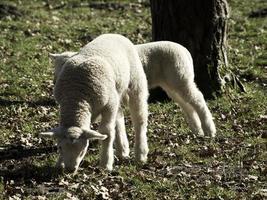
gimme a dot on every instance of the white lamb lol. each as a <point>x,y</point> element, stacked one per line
<point>169,66</point>
<point>94,82</point>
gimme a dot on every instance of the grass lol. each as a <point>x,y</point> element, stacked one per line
<point>181,165</point>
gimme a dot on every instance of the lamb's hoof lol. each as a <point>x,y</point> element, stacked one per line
<point>200,133</point>
<point>141,158</point>
<point>210,129</point>
<point>211,133</point>
<point>197,131</point>
<point>141,154</point>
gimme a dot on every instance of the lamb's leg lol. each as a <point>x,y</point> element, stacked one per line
<point>107,126</point>
<point>191,94</point>
<point>139,113</point>
<point>190,114</point>
<point>121,141</point>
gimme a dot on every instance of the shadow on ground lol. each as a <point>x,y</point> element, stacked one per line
<point>19,152</point>
<point>27,173</point>
<point>34,104</point>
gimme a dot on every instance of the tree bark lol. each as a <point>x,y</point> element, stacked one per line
<point>200,26</point>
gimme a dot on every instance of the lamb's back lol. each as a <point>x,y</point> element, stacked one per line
<point>89,80</point>
<point>163,59</point>
<point>119,52</point>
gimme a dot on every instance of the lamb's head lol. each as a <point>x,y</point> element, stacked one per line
<point>72,144</point>
<point>59,59</point>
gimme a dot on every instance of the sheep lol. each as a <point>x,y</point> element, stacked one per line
<point>170,66</point>
<point>98,80</point>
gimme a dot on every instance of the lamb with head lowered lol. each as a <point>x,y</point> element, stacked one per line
<point>95,81</point>
<point>169,66</point>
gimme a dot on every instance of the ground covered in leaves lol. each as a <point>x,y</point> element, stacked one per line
<point>181,165</point>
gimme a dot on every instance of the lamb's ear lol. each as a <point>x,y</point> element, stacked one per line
<point>54,56</point>
<point>93,135</point>
<point>51,133</point>
<point>69,54</point>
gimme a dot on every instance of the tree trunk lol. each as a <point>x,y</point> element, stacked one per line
<point>200,26</point>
